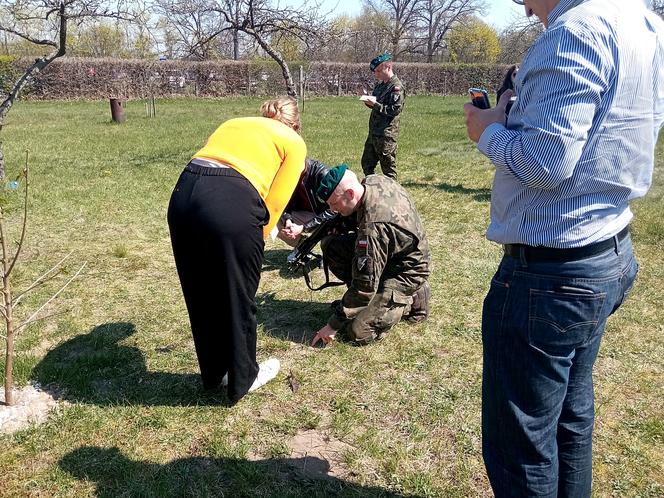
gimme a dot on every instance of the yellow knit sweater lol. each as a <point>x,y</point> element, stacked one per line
<point>266,152</point>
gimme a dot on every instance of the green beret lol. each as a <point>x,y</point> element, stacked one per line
<point>378,60</point>
<point>330,182</point>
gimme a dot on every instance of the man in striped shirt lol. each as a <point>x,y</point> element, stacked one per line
<point>577,146</point>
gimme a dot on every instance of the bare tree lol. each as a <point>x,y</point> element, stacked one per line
<point>43,23</point>
<point>10,300</point>
<point>436,17</point>
<point>264,22</point>
<point>234,8</point>
<point>200,22</point>
<point>194,24</point>
<point>516,39</point>
<point>403,16</point>
<point>352,39</point>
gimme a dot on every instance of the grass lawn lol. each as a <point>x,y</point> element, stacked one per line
<point>397,418</point>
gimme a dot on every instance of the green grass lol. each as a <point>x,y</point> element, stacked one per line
<point>406,409</point>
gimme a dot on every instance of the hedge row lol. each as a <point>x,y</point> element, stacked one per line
<point>78,78</point>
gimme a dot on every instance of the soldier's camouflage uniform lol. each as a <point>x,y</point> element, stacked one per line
<point>386,264</point>
<point>381,144</point>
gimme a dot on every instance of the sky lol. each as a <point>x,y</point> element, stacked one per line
<point>499,12</point>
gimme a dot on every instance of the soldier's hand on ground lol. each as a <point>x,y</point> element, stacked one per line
<point>477,120</point>
<point>326,334</point>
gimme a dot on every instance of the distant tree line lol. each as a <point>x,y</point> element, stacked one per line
<point>412,30</point>
<point>422,31</point>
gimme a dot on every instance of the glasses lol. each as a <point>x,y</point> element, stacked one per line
<point>520,2</point>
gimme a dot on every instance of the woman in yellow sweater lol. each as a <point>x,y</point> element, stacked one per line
<point>225,203</point>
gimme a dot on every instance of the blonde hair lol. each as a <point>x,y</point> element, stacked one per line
<point>283,109</point>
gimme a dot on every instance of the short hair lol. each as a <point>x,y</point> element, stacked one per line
<point>283,109</point>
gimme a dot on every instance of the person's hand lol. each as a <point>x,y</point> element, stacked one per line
<point>368,100</point>
<point>477,120</point>
<point>292,230</point>
<point>326,334</point>
<point>296,230</point>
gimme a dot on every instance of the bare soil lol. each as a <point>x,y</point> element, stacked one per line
<point>32,405</point>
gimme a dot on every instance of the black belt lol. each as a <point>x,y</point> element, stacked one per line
<point>532,253</point>
<point>197,169</point>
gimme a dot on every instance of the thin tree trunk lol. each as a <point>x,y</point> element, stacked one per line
<point>8,315</point>
<point>236,45</point>
<point>285,71</point>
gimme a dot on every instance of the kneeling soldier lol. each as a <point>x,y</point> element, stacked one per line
<point>385,265</point>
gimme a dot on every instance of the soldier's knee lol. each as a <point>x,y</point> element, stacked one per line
<point>357,332</point>
<point>419,310</point>
<point>362,332</point>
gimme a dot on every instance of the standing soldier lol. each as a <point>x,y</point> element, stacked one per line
<point>385,265</point>
<point>381,144</point>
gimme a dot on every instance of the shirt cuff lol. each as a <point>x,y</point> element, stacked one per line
<point>487,135</point>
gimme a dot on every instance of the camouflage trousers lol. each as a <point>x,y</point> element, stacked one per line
<point>379,148</point>
<point>387,307</point>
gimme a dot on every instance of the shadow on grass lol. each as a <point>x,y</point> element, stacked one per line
<point>116,475</point>
<point>287,319</point>
<point>479,194</point>
<point>275,259</point>
<point>96,368</point>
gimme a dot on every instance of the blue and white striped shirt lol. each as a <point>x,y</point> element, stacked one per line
<point>579,142</point>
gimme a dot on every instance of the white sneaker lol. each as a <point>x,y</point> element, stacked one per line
<point>267,371</point>
<point>224,381</point>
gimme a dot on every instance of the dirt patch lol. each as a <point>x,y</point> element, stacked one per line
<point>321,454</point>
<point>32,405</point>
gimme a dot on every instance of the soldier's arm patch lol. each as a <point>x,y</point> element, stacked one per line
<point>362,245</point>
<point>362,262</point>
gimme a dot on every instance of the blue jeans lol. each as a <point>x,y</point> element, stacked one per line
<point>542,324</point>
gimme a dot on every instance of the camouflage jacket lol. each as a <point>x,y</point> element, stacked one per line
<point>384,119</point>
<point>391,249</point>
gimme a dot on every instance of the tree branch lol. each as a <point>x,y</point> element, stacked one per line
<point>51,315</point>
<point>27,37</point>
<point>25,216</point>
<point>32,317</point>
<point>41,280</point>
